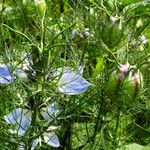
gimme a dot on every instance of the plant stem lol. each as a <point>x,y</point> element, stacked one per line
<point>117,125</point>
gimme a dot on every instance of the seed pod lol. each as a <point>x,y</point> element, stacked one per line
<point>112,32</point>
<point>124,84</point>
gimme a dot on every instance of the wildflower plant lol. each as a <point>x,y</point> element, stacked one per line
<point>64,78</point>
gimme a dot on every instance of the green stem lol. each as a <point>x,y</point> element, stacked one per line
<point>18,32</point>
<point>117,125</point>
<point>141,62</point>
<point>106,48</point>
<point>43,53</point>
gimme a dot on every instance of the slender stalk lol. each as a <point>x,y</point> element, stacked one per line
<point>18,32</point>
<point>43,52</point>
<point>117,125</point>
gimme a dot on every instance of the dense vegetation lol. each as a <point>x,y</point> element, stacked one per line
<point>74,74</point>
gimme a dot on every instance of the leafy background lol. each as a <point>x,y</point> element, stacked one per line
<point>78,32</point>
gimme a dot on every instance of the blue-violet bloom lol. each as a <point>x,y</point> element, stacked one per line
<point>5,75</point>
<point>71,82</point>
<point>21,118</point>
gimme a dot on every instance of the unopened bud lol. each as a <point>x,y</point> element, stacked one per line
<point>41,5</point>
<point>124,84</point>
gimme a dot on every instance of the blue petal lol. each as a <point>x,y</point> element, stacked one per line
<point>5,75</point>
<point>22,124</point>
<point>13,116</point>
<point>72,84</point>
<point>35,143</point>
<point>73,33</point>
<point>50,112</point>
<point>20,117</point>
<point>51,139</point>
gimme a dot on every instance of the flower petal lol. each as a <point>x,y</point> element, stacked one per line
<point>13,116</point>
<point>35,143</point>
<point>21,74</point>
<point>51,139</point>
<point>21,146</point>
<point>20,117</point>
<point>72,84</point>
<point>23,125</point>
<point>50,112</point>
<point>52,128</point>
<point>5,75</point>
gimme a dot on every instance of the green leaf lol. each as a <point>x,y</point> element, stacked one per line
<point>146,148</point>
<point>127,2</point>
<point>133,146</point>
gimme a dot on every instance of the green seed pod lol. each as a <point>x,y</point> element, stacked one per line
<point>41,6</point>
<point>110,5</point>
<point>124,84</point>
<point>112,32</point>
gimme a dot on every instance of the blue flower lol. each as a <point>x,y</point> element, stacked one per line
<point>50,112</point>
<point>21,118</point>
<point>49,138</point>
<point>5,75</point>
<point>71,82</point>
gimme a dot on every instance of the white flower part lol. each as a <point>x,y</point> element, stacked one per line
<point>91,11</point>
<point>1,7</point>
<point>51,139</point>
<point>86,31</point>
<point>143,39</point>
<point>71,82</point>
<point>39,2</point>
<point>20,117</point>
<point>27,63</point>
<point>8,10</point>
<point>113,19</point>
<point>21,74</point>
<point>21,146</point>
<point>73,33</point>
<point>80,70</point>
<point>5,75</point>
<point>51,128</point>
<point>125,67</point>
<point>35,143</point>
<point>50,112</point>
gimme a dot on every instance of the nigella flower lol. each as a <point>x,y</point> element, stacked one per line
<point>71,82</point>
<point>49,137</point>
<point>5,75</point>
<point>21,118</point>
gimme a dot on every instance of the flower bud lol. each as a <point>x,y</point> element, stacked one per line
<point>124,84</point>
<point>41,5</point>
<point>111,31</point>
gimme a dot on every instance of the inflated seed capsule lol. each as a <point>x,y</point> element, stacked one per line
<point>112,32</point>
<point>124,83</point>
